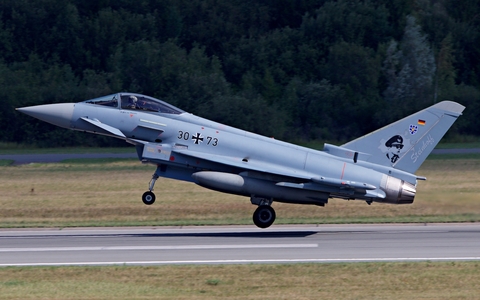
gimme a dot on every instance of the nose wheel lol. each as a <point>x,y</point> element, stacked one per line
<point>148,198</point>
<point>264,216</point>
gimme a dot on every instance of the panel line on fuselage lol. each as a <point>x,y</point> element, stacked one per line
<point>343,170</point>
<point>152,122</point>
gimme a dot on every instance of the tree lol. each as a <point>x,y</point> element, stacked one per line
<point>297,69</point>
<point>318,111</point>
<point>446,73</point>
<point>409,68</point>
<point>353,21</point>
<point>355,67</point>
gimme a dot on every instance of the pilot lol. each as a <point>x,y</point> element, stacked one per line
<point>394,145</point>
<point>132,102</point>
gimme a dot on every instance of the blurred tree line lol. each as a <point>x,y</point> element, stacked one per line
<point>297,70</point>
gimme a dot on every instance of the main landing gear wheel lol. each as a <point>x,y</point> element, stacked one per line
<point>264,216</point>
<point>148,198</point>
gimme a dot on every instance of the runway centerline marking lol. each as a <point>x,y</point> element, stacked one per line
<point>186,247</point>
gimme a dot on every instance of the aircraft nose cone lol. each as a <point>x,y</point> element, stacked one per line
<point>59,114</point>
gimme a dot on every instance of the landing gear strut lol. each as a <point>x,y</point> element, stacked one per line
<point>264,215</point>
<point>149,197</point>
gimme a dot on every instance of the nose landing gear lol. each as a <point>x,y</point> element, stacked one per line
<point>149,197</point>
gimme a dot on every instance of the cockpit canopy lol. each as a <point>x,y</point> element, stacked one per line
<point>135,102</point>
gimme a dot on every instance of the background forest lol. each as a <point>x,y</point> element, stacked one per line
<point>298,70</point>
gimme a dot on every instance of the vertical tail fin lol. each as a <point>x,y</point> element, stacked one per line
<point>406,143</point>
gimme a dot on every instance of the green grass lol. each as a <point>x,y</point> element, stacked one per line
<point>96,161</point>
<point>108,193</point>
<point>24,149</point>
<point>6,162</point>
<point>424,280</point>
<point>454,156</point>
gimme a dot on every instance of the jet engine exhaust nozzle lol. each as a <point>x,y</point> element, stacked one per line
<point>397,191</point>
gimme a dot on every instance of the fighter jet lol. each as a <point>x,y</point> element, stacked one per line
<point>378,167</point>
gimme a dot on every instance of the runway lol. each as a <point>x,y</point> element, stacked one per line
<point>239,245</point>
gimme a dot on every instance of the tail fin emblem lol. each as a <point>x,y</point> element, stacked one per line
<point>413,129</point>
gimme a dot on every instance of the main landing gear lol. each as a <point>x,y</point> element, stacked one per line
<point>149,197</point>
<point>264,215</point>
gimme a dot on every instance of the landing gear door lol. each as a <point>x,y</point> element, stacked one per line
<point>153,151</point>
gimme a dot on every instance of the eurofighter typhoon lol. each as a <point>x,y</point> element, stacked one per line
<point>378,167</point>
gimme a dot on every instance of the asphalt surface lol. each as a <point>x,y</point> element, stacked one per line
<point>239,245</point>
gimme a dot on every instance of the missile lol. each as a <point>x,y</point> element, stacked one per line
<point>343,183</point>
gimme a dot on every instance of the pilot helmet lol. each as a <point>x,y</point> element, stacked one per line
<point>132,99</point>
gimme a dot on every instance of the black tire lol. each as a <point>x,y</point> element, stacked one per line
<point>264,216</point>
<point>148,198</point>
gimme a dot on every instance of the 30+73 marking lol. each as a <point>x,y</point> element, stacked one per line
<point>197,138</point>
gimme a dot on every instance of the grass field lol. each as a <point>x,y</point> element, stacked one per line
<point>108,193</point>
<point>446,280</point>
<point>100,194</point>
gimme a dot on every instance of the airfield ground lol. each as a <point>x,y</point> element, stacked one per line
<point>424,280</point>
<point>107,193</point>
